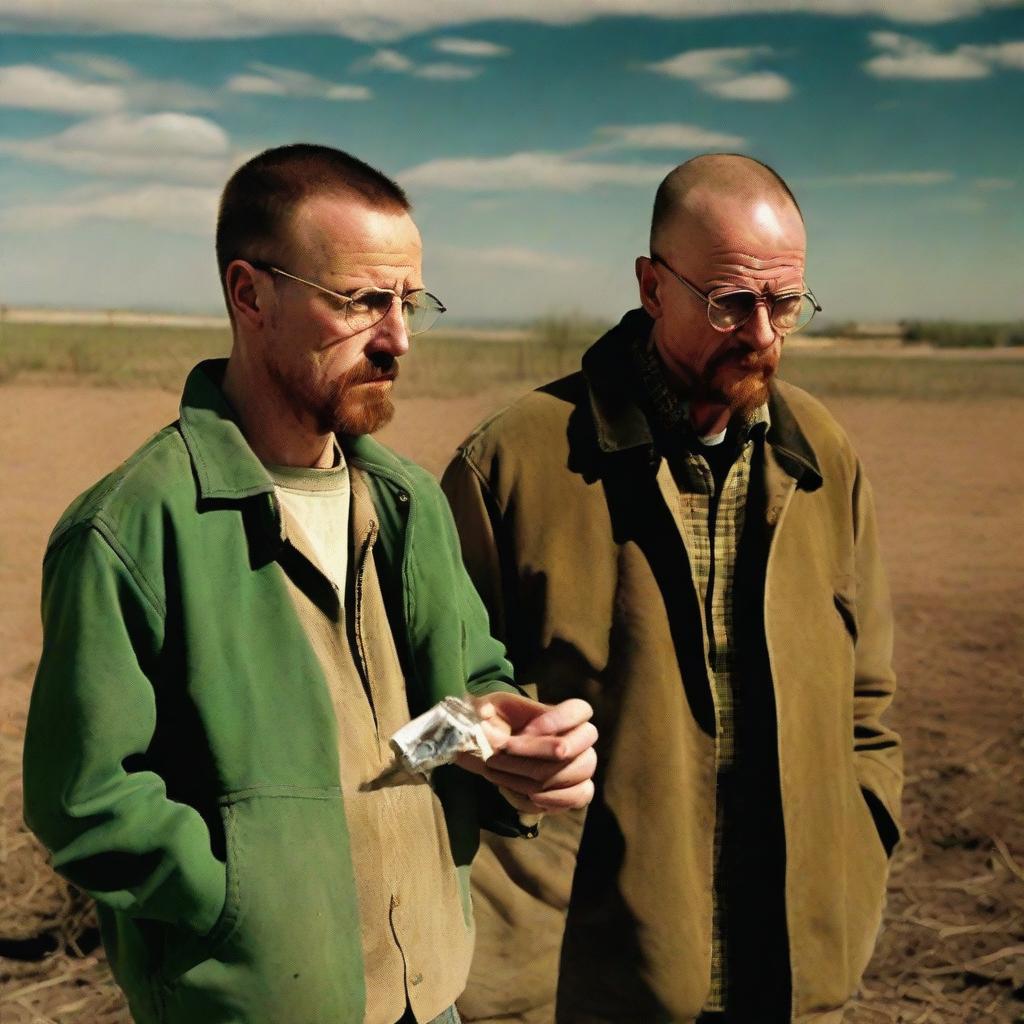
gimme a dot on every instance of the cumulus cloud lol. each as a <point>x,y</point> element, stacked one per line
<point>906,57</point>
<point>569,171</point>
<point>355,19</point>
<point>180,208</point>
<point>725,72</point>
<point>134,91</point>
<point>470,47</point>
<point>526,171</point>
<point>31,87</point>
<point>669,135</point>
<point>166,146</point>
<point>271,80</point>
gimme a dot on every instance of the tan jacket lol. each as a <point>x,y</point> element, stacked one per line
<point>570,542</point>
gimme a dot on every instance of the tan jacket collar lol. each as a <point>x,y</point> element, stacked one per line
<point>620,423</point>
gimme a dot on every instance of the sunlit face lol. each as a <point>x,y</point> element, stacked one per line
<point>332,378</point>
<point>754,245</point>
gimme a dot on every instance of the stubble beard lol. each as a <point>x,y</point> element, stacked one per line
<point>739,381</point>
<point>350,404</point>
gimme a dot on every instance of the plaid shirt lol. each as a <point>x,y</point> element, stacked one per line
<point>711,525</point>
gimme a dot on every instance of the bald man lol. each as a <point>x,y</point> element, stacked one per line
<point>688,543</point>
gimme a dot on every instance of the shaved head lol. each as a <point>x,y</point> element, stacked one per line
<point>696,191</point>
<point>723,224</point>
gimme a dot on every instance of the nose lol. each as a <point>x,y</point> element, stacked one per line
<point>392,334</point>
<point>758,332</point>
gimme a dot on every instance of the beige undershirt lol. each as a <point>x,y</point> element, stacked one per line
<point>416,933</point>
<point>318,500</point>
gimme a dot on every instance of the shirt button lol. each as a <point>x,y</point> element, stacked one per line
<point>415,979</point>
<point>403,496</point>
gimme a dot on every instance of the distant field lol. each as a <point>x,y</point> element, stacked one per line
<point>458,364</point>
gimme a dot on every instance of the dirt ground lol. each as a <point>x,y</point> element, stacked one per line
<point>949,484</point>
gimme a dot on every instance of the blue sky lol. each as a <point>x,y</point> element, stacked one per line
<point>531,146</point>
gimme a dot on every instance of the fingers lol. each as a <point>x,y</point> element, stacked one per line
<point>560,718</point>
<point>544,758</point>
<point>513,708</point>
<point>471,763</point>
<point>497,731</point>
<point>529,777</point>
<point>523,804</point>
<point>565,799</point>
<point>553,748</point>
<point>551,801</point>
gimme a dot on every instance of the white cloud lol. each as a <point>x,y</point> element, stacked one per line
<point>166,146</point>
<point>271,80</point>
<point>99,65</point>
<point>907,57</point>
<point>911,179</point>
<point>725,72</point>
<point>105,84</point>
<point>766,86</point>
<point>256,85</point>
<point>715,62</point>
<point>384,60</point>
<point>470,47</point>
<point>526,171</point>
<point>446,72</point>
<point>398,63</point>
<point>1008,54</point>
<point>179,208</point>
<point>31,87</point>
<point>355,19</point>
<point>665,136</point>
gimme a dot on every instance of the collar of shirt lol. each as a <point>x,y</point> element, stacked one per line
<point>671,412</point>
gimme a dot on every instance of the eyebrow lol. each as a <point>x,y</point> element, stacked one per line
<point>393,287</point>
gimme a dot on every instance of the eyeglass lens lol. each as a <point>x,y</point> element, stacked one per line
<point>787,313</point>
<point>420,310</point>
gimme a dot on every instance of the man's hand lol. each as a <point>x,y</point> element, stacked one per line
<point>544,758</point>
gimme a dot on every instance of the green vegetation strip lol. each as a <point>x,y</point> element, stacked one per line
<point>447,366</point>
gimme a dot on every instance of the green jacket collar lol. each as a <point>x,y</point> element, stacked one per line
<point>225,466</point>
<point>621,424</point>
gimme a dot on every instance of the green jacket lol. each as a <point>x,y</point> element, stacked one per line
<point>181,757</point>
<point>568,534</point>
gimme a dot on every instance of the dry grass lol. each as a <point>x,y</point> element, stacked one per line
<point>446,365</point>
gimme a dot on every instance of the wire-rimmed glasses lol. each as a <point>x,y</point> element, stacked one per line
<point>787,312</point>
<point>365,307</point>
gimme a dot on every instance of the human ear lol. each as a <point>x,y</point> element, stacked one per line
<point>647,279</point>
<point>243,292</point>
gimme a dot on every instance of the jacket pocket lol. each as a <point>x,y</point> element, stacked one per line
<point>287,944</point>
<point>845,600</point>
<point>867,874</point>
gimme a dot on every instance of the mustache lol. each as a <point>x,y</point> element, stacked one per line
<point>766,360</point>
<point>379,366</point>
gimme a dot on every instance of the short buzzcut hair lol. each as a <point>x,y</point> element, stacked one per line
<point>725,170</point>
<point>261,196</point>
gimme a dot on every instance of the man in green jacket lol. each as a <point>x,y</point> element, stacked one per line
<point>238,618</point>
<point>690,545</point>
